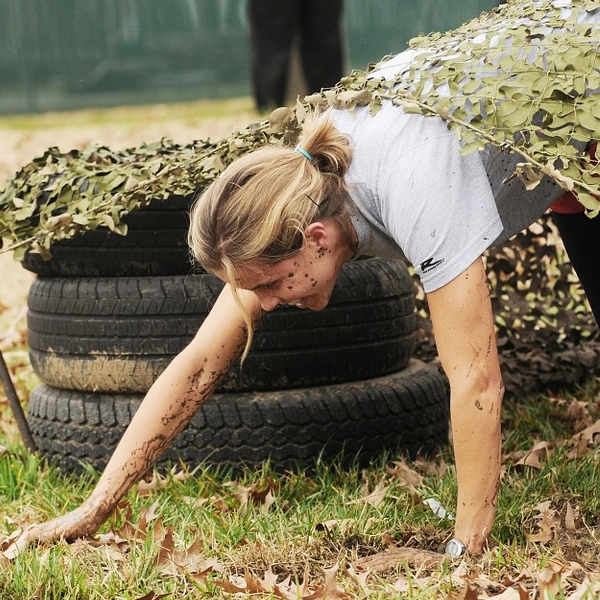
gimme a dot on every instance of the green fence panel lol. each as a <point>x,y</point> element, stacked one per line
<point>70,54</point>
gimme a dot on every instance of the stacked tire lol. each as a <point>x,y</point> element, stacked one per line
<point>108,313</point>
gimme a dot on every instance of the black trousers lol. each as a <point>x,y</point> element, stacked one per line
<point>274,27</point>
<point>581,237</point>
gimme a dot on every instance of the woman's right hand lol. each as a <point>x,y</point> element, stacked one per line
<point>81,522</point>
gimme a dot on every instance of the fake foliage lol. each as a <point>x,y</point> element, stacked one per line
<point>524,77</point>
<point>547,336</point>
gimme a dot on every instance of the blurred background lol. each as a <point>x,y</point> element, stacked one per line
<point>64,55</point>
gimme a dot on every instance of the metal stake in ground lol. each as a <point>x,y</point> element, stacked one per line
<point>15,406</point>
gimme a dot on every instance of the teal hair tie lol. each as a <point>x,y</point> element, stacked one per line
<point>302,151</point>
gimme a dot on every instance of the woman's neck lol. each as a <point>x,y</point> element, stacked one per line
<point>344,240</point>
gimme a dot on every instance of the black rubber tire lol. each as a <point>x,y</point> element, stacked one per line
<point>155,244</point>
<point>119,334</point>
<point>407,411</point>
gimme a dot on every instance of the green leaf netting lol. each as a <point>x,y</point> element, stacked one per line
<point>524,77</point>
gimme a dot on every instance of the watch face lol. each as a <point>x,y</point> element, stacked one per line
<point>455,548</point>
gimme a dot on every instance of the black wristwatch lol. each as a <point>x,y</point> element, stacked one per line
<point>455,548</point>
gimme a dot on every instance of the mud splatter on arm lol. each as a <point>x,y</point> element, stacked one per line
<point>167,408</point>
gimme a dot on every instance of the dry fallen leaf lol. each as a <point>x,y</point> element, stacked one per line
<point>375,497</point>
<point>330,588</point>
<point>579,447</point>
<point>586,590</point>
<point>547,521</point>
<point>359,578</point>
<point>252,494</point>
<point>590,434</point>
<point>189,561</point>
<point>572,518</point>
<point>159,482</point>
<point>391,557</point>
<point>469,592</point>
<point>579,414</point>
<point>518,593</point>
<point>342,525</point>
<point>533,458</point>
<point>548,581</point>
<point>268,585</point>
<point>405,476</point>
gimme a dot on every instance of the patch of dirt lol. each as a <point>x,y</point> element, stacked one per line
<point>14,284</point>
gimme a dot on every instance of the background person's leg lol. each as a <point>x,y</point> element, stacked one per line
<point>273,26</point>
<point>321,43</point>
<point>581,237</point>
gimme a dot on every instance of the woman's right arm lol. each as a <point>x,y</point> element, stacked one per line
<point>167,408</point>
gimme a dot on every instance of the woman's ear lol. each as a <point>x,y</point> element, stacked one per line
<point>317,232</point>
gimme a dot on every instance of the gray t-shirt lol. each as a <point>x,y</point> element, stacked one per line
<point>418,198</point>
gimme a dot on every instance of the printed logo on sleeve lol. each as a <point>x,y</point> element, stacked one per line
<point>430,264</point>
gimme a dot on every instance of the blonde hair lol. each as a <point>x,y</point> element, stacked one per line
<point>257,210</point>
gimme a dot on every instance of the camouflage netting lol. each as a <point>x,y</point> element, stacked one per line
<point>546,334</point>
<point>524,77</point>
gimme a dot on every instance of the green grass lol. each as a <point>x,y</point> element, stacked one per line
<point>318,520</point>
<point>128,117</point>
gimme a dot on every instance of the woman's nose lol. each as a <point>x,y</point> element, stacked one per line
<point>267,300</point>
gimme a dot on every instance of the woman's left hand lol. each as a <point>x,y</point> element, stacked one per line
<point>463,326</point>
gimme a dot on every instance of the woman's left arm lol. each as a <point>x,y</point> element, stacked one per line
<point>463,325</point>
